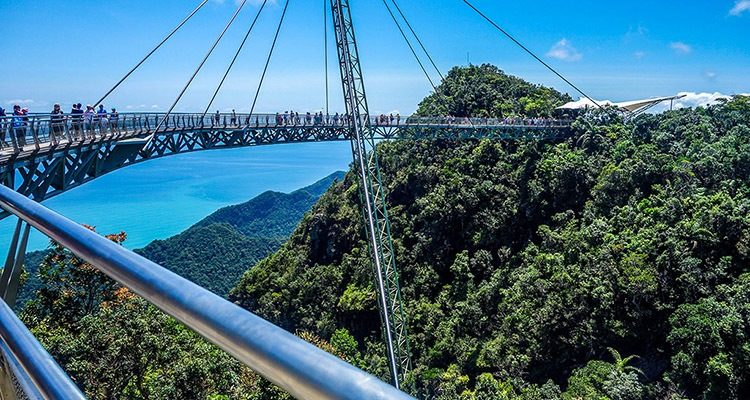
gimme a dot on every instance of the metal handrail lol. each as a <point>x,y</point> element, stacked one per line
<point>43,371</point>
<point>64,129</point>
<point>298,367</point>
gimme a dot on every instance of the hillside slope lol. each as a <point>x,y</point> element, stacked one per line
<point>531,269</point>
<point>215,251</point>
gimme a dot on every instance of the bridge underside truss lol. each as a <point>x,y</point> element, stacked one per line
<point>51,170</point>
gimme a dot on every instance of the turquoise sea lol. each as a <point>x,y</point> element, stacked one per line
<point>160,198</point>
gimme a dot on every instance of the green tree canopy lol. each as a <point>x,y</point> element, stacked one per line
<point>486,91</point>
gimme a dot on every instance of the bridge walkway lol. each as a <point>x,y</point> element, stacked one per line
<point>41,158</point>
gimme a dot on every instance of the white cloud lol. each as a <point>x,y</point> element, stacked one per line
<point>693,99</point>
<point>564,50</point>
<point>710,75</point>
<point>703,99</point>
<point>740,7</point>
<point>639,55</point>
<point>681,48</point>
<point>20,102</point>
<point>154,107</point>
<point>635,33</point>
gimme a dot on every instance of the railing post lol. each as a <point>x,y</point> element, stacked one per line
<point>35,132</point>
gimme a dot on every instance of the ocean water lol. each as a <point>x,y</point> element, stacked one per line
<point>160,198</point>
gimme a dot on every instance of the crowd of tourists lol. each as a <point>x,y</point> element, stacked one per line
<point>15,128</point>
<point>292,118</point>
<point>510,121</point>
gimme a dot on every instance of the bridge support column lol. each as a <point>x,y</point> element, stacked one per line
<point>11,276</point>
<point>10,387</point>
<point>372,192</point>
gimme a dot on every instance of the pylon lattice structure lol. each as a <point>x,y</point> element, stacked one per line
<point>372,192</point>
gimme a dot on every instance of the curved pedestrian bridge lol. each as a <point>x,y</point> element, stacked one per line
<point>42,156</point>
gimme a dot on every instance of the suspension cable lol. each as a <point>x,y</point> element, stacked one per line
<point>184,21</point>
<point>441,97</point>
<point>408,43</point>
<point>504,32</point>
<point>325,47</point>
<point>200,66</point>
<point>418,40</point>
<point>268,60</point>
<point>247,35</point>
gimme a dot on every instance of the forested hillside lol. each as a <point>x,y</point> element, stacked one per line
<point>218,249</point>
<point>117,346</point>
<point>215,251</point>
<point>486,91</point>
<point>611,266</point>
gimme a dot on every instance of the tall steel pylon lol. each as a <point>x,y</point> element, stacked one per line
<point>372,194</point>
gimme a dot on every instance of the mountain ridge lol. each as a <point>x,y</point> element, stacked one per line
<point>231,238</point>
<point>217,249</point>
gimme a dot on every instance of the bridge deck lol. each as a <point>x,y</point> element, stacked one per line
<point>41,157</point>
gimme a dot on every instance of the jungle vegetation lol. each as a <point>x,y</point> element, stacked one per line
<point>610,265</point>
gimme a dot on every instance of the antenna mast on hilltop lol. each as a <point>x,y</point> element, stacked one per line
<point>372,193</point>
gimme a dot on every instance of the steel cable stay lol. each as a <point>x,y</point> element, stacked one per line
<point>228,329</point>
<point>526,49</point>
<point>200,66</point>
<point>408,43</point>
<point>418,39</point>
<point>441,97</point>
<point>270,54</point>
<point>236,55</point>
<point>184,21</point>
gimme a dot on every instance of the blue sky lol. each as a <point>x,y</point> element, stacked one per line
<point>613,50</point>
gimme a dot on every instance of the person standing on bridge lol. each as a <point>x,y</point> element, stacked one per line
<point>19,128</point>
<point>234,118</point>
<point>88,121</point>
<point>102,116</point>
<point>114,118</point>
<point>3,128</point>
<point>25,119</point>
<point>217,118</point>
<point>16,124</point>
<point>56,124</point>
<point>76,115</point>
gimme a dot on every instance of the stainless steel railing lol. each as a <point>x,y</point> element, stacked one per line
<point>36,365</point>
<point>298,367</point>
